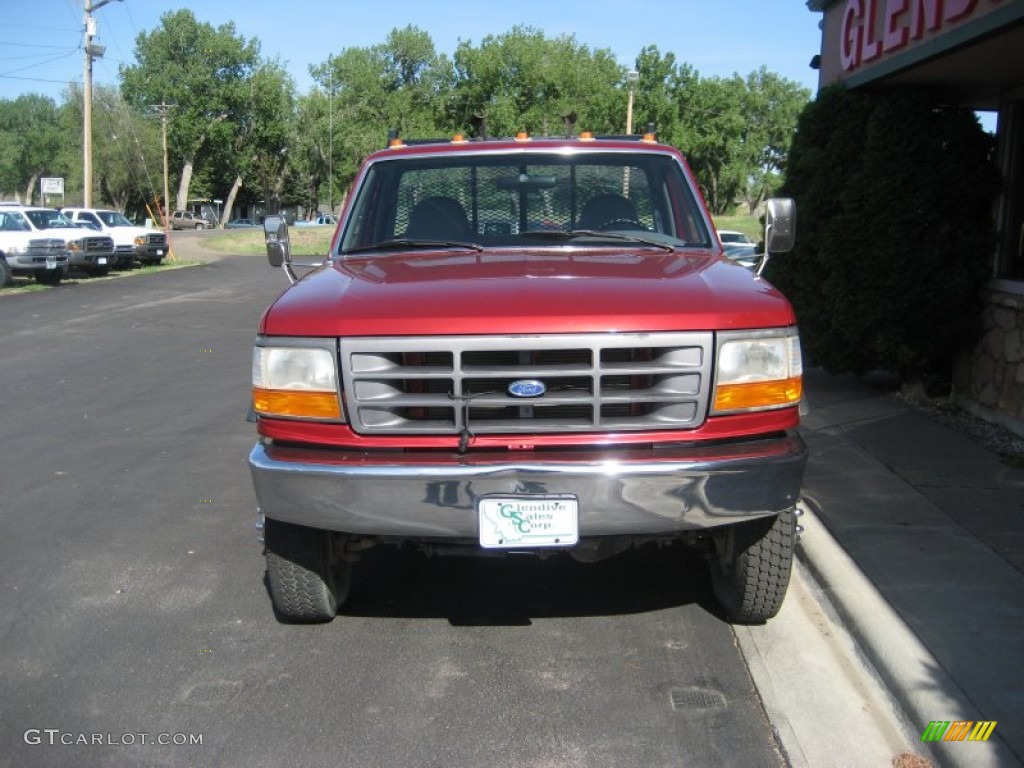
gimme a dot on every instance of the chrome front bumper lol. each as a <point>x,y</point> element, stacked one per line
<point>621,492</point>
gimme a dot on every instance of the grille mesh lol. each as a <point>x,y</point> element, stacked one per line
<point>594,382</point>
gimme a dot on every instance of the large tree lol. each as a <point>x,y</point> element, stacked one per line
<point>773,106</point>
<point>400,84</point>
<point>261,143</point>
<point>205,73</point>
<point>522,80</point>
<point>126,148</point>
<point>31,140</point>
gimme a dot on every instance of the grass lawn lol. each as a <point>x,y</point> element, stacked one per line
<point>306,241</point>
<point>29,284</point>
<point>749,225</point>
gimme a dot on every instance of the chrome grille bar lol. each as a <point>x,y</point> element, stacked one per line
<point>594,382</point>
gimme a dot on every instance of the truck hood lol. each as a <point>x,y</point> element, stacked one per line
<point>127,235</point>
<point>526,291</point>
<point>67,234</point>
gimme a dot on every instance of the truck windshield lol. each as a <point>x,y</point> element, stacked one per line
<point>114,219</point>
<point>509,200</point>
<point>48,220</point>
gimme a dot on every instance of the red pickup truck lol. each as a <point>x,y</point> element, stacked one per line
<point>527,345</point>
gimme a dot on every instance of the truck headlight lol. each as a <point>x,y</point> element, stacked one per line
<point>74,245</point>
<point>295,382</point>
<point>757,370</point>
<point>140,239</point>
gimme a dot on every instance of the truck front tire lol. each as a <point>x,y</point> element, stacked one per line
<point>306,584</point>
<point>750,570</point>
<point>5,273</point>
<point>49,276</point>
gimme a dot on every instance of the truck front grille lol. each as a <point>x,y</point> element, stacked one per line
<point>592,382</point>
<point>40,248</point>
<point>156,238</point>
<point>97,245</point>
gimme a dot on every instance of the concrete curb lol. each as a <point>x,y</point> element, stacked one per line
<point>918,682</point>
<point>826,705</point>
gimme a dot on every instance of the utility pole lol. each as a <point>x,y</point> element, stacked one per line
<point>162,108</point>
<point>92,51</point>
<point>631,77</point>
<point>330,130</point>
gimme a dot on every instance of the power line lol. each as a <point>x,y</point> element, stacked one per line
<point>40,45</point>
<point>39,63</point>
<point>9,24</point>
<point>38,79</point>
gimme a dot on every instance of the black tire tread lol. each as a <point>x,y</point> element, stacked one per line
<point>753,587</point>
<point>299,573</point>
<point>49,277</point>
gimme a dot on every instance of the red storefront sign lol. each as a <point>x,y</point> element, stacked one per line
<point>871,29</point>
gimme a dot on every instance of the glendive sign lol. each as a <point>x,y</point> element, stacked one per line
<point>871,29</point>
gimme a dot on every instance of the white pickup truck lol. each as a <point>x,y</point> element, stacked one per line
<point>28,251</point>
<point>131,243</point>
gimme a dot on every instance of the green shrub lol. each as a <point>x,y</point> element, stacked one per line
<point>894,231</point>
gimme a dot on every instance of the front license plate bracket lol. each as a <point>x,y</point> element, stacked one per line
<point>529,521</point>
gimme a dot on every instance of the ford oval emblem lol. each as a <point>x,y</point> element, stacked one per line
<point>527,388</point>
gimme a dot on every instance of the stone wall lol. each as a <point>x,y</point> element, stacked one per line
<point>990,380</point>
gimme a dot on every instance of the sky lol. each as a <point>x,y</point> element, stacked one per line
<point>41,40</point>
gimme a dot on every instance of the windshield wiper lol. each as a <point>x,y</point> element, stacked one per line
<point>556,234</point>
<point>386,245</point>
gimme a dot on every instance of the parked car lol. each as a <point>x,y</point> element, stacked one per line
<point>325,219</point>
<point>241,224</point>
<point>131,242</point>
<point>732,236</point>
<point>738,247</point>
<point>188,220</point>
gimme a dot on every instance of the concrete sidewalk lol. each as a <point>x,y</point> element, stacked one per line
<point>915,535</point>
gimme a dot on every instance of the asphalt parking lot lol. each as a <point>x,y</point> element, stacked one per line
<point>133,609</point>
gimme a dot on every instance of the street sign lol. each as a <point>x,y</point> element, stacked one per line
<point>53,186</point>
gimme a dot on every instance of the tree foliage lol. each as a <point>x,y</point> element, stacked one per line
<point>523,81</point>
<point>30,143</point>
<point>126,149</point>
<point>895,200</point>
<point>205,73</point>
<point>237,126</point>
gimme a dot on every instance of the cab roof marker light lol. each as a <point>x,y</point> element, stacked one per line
<point>586,136</point>
<point>522,136</point>
<point>458,138</point>
<point>394,142</point>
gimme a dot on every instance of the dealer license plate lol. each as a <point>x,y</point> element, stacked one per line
<point>518,522</point>
<point>159,253</point>
<point>101,260</point>
<point>51,261</point>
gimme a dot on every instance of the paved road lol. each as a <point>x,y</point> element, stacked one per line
<point>132,598</point>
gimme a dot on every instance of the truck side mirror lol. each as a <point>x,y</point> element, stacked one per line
<point>279,247</point>
<point>779,225</point>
